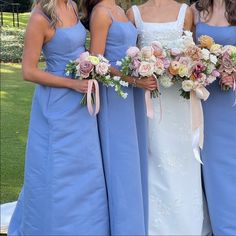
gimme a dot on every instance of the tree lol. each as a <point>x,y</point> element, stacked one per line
<point>24,6</point>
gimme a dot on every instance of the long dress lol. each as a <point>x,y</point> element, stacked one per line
<point>64,190</point>
<point>176,201</point>
<point>219,151</point>
<point>124,156</point>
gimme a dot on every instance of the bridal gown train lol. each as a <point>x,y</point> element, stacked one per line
<point>177,205</point>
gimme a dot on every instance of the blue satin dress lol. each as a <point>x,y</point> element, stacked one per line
<point>123,135</point>
<point>219,151</point>
<point>64,189</point>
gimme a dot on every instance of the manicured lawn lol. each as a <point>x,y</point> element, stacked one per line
<point>8,20</point>
<point>15,108</point>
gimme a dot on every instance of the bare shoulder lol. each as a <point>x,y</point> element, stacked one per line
<point>37,20</point>
<point>101,14</point>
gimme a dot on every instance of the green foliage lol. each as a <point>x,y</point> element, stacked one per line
<point>12,44</point>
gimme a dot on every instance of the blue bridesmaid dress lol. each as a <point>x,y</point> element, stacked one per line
<point>123,135</point>
<point>64,189</point>
<point>219,152</point>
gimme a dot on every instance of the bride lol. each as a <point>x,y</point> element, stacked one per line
<point>177,204</point>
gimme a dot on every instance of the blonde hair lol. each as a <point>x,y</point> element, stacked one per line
<point>48,7</point>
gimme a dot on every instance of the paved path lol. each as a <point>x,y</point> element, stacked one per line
<point>6,213</point>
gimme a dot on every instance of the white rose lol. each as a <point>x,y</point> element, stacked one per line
<point>213,59</point>
<point>187,85</point>
<point>205,54</point>
<point>166,81</point>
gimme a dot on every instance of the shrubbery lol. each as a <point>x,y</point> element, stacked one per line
<point>11,44</point>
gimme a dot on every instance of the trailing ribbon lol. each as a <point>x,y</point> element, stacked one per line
<point>92,83</point>
<point>149,104</point>
<point>197,121</point>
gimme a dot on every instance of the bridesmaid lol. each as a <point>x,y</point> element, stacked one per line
<point>123,139</point>
<point>64,189</point>
<point>217,19</point>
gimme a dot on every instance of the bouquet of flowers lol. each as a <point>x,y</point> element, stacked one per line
<point>149,61</point>
<point>227,67</point>
<point>95,68</point>
<point>194,67</point>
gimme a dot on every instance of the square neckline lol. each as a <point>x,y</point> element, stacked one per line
<point>158,23</point>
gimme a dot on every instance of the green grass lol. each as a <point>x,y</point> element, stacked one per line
<point>16,97</point>
<point>8,20</point>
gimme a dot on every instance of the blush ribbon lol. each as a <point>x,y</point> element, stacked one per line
<point>92,83</point>
<point>197,120</point>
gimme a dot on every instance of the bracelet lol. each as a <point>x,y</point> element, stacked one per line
<point>134,82</point>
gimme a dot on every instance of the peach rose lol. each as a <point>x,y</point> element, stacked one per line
<point>174,67</point>
<point>206,41</point>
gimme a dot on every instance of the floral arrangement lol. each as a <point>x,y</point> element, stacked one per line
<point>95,68</point>
<point>226,65</point>
<point>193,66</point>
<point>145,62</point>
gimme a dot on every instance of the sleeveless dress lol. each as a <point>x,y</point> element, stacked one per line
<point>124,143</point>
<point>176,201</point>
<point>219,152</point>
<point>64,189</point>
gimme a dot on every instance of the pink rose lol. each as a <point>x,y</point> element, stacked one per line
<point>147,52</point>
<point>132,52</point>
<point>102,68</point>
<point>146,69</point>
<point>187,61</point>
<point>159,67</point>
<point>227,63</point>
<point>83,57</point>
<point>157,47</point>
<point>85,68</point>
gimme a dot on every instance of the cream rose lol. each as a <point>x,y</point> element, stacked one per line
<point>146,69</point>
<point>102,68</point>
<point>187,85</point>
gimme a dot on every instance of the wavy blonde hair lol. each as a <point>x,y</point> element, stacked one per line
<point>49,9</point>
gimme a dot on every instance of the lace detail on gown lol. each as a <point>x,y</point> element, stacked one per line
<point>175,190</point>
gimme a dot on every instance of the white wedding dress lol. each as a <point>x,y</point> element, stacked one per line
<point>177,204</point>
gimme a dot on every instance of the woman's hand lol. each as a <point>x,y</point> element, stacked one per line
<point>149,83</point>
<point>228,80</point>
<point>80,85</point>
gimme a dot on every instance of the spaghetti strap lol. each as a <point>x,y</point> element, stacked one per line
<point>37,10</point>
<point>75,11</point>
<point>108,11</point>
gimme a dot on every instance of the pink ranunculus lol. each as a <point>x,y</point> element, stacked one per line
<point>102,68</point>
<point>133,52</point>
<point>147,52</point>
<point>146,69</point>
<point>85,68</point>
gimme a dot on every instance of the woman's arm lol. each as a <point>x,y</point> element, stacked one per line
<point>37,33</point>
<point>99,25</point>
